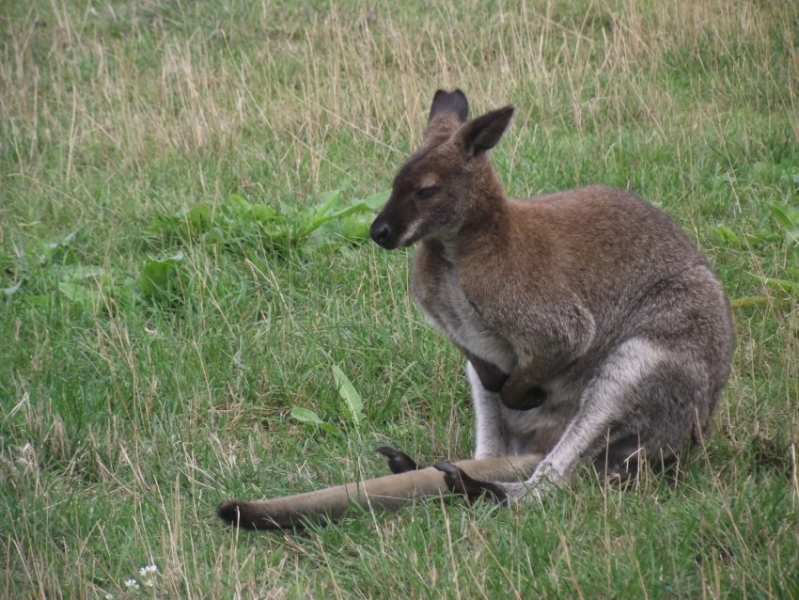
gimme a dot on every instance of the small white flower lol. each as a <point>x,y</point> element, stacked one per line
<point>147,572</point>
<point>131,584</point>
<point>109,596</point>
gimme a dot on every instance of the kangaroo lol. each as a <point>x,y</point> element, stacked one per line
<point>593,329</point>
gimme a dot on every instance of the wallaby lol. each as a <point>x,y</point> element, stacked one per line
<point>592,327</point>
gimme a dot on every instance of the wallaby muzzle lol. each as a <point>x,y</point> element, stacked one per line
<point>383,233</point>
<point>392,223</point>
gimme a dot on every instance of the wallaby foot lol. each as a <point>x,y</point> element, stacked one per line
<point>461,484</point>
<point>522,391</point>
<point>398,462</point>
<point>528,399</point>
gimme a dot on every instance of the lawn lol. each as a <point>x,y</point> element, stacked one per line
<point>185,276</point>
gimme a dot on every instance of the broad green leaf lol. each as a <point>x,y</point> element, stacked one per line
<point>377,200</point>
<point>159,279</point>
<point>264,214</point>
<point>360,207</point>
<point>53,248</point>
<point>305,415</point>
<point>750,302</point>
<point>161,223</point>
<point>756,239</point>
<point>726,234</point>
<point>79,294</point>
<point>329,200</point>
<point>199,218</point>
<point>356,227</point>
<point>215,235</point>
<point>239,202</point>
<point>781,214</point>
<point>780,285</point>
<point>77,272</point>
<point>337,216</point>
<point>309,417</point>
<point>352,399</point>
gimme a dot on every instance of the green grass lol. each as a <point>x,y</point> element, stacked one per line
<point>128,414</point>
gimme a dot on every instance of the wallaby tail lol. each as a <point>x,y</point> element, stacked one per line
<point>390,491</point>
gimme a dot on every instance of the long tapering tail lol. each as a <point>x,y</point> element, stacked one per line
<point>390,491</point>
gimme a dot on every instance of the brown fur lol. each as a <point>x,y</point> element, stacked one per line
<point>589,318</point>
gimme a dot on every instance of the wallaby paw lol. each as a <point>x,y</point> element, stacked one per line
<point>527,400</point>
<point>462,484</point>
<point>398,462</point>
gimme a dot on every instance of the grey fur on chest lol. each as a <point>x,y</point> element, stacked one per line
<point>441,297</point>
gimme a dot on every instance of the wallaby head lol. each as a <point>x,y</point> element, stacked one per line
<point>448,180</point>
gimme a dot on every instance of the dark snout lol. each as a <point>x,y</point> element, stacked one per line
<point>383,233</point>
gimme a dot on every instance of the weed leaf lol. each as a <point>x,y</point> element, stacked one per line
<point>79,294</point>
<point>779,213</point>
<point>159,279</point>
<point>352,399</point>
<point>309,417</point>
<point>727,235</point>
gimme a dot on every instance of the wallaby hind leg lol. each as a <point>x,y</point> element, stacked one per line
<point>620,463</point>
<point>643,393</point>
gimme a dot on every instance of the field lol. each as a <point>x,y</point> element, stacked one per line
<point>184,190</point>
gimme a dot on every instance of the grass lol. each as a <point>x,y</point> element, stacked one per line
<point>129,412</point>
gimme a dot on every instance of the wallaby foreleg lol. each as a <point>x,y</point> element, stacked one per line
<point>490,435</point>
<point>398,462</point>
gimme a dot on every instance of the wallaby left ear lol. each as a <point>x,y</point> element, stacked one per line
<point>483,133</point>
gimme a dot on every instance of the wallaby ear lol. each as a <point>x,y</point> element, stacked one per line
<point>454,102</point>
<point>483,133</point>
<point>448,112</point>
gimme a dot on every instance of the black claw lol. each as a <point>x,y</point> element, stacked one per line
<point>398,462</point>
<point>462,484</point>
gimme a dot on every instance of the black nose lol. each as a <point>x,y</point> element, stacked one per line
<point>381,233</point>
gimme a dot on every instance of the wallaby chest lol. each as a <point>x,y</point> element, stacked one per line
<point>437,288</point>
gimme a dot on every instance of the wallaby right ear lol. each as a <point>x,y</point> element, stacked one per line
<point>448,111</point>
<point>483,133</point>
<point>454,102</point>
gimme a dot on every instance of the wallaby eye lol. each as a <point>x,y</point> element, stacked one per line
<point>427,192</point>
